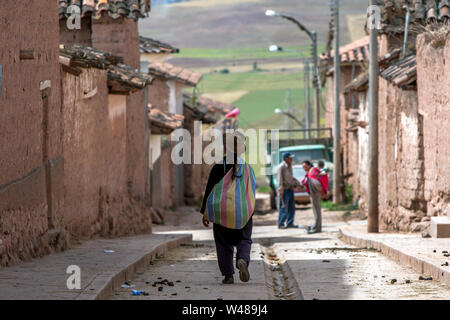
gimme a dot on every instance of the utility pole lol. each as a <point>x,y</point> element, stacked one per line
<point>307,98</point>
<point>316,81</point>
<point>337,110</point>
<point>288,108</point>
<point>313,36</point>
<point>372,224</point>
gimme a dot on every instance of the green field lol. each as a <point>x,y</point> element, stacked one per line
<point>244,53</point>
<point>251,81</point>
<point>259,105</point>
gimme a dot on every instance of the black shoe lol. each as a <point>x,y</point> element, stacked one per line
<point>228,280</point>
<point>244,275</point>
<point>289,226</point>
<point>282,227</point>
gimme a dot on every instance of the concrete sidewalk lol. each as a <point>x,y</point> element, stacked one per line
<point>195,275</point>
<point>424,255</point>
<point>101,272</point>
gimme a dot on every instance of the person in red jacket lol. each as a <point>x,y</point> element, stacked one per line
<point>314,188</point>
<point>323,178</point>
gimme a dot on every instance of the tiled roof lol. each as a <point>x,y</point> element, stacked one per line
<point>207,110</point>
<point>422,12</point>
<point>121,77</point>
<point>147,45</point>
<point>163,122</point>
<point>360,83</point>
<point>402,73</point>
<point>132,9</point>
<point>169,71</point>
<point>357,51</point>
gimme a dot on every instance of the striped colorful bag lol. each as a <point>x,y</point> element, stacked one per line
<point>231,203</point>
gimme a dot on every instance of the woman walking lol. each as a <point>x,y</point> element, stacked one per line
<point>229,203</point>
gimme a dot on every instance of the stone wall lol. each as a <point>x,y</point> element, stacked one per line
<point>434,107</point>
<point>401,201</point>
<point>30,121</point>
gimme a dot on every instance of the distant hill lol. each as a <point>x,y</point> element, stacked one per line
<point>228,41</point>
<point>242,23</point>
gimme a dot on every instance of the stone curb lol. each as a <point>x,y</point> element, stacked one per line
<point>398,255</point>
<point>104,285</point>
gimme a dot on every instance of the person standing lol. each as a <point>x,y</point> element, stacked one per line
<point>314,188</point>
<point>323,178</point>
<point>286,185</point>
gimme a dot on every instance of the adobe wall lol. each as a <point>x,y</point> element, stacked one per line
<point>349,140</point>
<point>401,200</point>
<point>120,37</point>
<point>95,152</point>
<point>82,36</point>
<point>30,129</point>
<point>434,106</point>
<point>363,153</point>
<point>193,179</point>
<point>158,94</point>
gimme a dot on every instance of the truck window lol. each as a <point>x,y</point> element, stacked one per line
<point>302,155</point>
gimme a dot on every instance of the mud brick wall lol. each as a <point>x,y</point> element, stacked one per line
<point>349,140</point>
<point>30,146</point>
<point>401,200</point>
<point>159,94</point>
<point>363,153</point>
<point>95,148</point>
<point>120,37</point>
<point>81,36</point>
<point>162,196</point>
<point>195,179</point>
<point>434,106</point>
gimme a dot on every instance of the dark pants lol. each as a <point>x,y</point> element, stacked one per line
<point>286,213</point>
<point>226,239</point>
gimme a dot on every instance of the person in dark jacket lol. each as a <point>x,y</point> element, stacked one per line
<point>226,239</point>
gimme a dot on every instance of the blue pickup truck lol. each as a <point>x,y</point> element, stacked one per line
<point>302,149</point>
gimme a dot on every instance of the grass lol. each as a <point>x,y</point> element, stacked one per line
<point>244,53</point>
<point>251,81</point>
<point>338,207</point>
<point>226,96</point>
<point>259,105</point>
<point>268,65</point>
<point>263,189</point>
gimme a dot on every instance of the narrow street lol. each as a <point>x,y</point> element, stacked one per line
<point>287,265</point>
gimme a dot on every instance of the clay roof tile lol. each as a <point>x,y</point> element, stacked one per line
<point>169,71</point>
